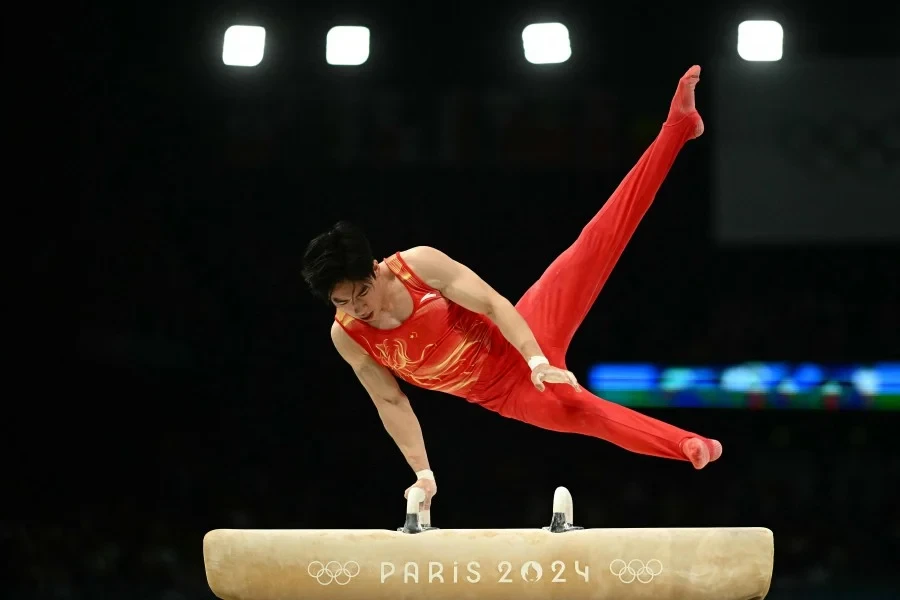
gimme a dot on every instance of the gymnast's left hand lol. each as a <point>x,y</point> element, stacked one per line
<point>429,486</point>
<point>542,374</point>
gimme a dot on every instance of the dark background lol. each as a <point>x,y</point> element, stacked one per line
<point>206,393</point>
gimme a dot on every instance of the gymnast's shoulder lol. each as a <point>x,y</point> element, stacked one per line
<point>429,264</point>
<point>422,255</point>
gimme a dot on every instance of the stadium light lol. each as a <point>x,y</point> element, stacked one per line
<point>243,46</point>
<point>347,45</point>
<point>546,43</point>
<point>760,41</point>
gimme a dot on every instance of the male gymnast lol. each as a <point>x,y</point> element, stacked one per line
<point>424,317</point>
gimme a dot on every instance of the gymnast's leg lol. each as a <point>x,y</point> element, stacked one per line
<point>563,409</point>
<point>557,303</point>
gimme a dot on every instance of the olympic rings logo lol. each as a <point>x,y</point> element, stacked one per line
<point>333,571</point>
<point>635,569</point>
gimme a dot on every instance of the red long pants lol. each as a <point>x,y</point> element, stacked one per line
<point>557,303</point>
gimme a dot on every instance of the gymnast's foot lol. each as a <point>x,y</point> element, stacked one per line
<point>683,105</point>
<point>699,453</point>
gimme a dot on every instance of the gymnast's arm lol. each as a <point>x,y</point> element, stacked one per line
<point>392,404</point>
<point>461,285</point>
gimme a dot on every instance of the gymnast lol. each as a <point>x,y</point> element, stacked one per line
<point>429,320</point>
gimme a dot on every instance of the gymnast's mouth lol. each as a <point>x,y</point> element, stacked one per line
<point>368,316</point>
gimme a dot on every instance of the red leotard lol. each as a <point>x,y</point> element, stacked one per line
<point>441,346</point>
<point>444,347</point>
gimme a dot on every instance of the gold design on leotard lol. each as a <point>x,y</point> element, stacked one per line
<point>343,318</point>
<point>399,269</point>
<point>437,368</point>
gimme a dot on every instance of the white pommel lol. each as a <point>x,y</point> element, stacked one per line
<point>562,503</point>
<point>416,496</point>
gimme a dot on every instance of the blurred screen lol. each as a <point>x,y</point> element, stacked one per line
<point>807,151</point>
<point>750,385</point>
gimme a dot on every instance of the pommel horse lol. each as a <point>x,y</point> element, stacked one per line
<point>560,560</point>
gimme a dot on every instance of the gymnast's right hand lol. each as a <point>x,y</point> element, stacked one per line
<point>428,485</point>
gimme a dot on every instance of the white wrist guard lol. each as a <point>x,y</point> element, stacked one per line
<point>425,474</point>
<point>537,360</point>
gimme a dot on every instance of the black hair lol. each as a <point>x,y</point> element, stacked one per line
<point>340,254</point>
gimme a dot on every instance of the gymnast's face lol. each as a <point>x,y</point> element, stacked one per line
<point>360,299</point>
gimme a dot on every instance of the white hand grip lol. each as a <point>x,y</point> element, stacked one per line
<point>416,496</point>
<point>562,503</point>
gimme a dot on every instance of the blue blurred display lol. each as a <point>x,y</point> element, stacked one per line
<point>756,385</point>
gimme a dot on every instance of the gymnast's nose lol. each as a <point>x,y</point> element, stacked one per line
<point>361,309</point>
